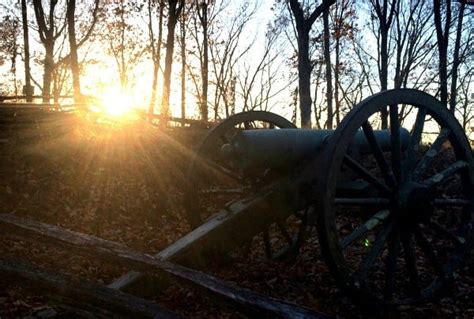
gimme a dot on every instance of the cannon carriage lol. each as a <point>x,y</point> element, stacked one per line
<point>393,208</point>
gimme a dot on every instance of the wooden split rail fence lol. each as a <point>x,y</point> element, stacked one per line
<point>101,299</point>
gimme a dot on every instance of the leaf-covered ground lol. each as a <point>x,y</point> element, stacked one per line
<point>124,183</point>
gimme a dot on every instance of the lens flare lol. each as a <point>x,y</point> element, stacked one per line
<point>117,103</point>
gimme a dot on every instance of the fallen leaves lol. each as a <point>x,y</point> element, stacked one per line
<point>125,185</point>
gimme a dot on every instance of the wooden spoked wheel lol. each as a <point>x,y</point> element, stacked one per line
<point>214,182</point>
<point>407,241</point>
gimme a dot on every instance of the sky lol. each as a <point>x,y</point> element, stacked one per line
<point>101,79</point>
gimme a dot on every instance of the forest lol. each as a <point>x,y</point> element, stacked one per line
<point>234,159</point>
<point>208,60</point>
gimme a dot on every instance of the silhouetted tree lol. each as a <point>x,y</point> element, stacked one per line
<point>155,46</point>
<point>327,61</point>
<point>384,11</point>
<point>76,83</point>
<point>28,89</point>
<point>174,10</point>
<point>48,32</point>
<point>303,27</point>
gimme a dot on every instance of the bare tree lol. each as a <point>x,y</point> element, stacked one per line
<point>413,34</point>
<point>226,50</point>
<point>204,20</point>
<point>257,81</point>
<point>442,35</point>
<point>456,56</point>
<point>155,47</point>
<point>466,107</point>
<point>384,12</point>
<point>342,32</point>
<point>174,10</point>
<point>443,20</point>
<point>50,29</point>
<point>182,42</point>
<point>70,11</point>
<point>49,33</point>
<point>9,44</point>
<point>81,29</point>
<point>304,23</point>
<point>202,8</point>
<point>318,106</point>
<point>364,61</point>
<point>124,39</point>
<point>28,89</point>
<point>327,61</point>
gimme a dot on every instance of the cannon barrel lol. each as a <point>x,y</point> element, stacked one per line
<point>283,148</point>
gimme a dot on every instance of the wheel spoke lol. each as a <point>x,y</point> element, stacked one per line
<point>364,228</point>
<point>285,233</point>
<point>222,171</point>
<point>427,248</point>
<point>376,250</point>
<point>246,250</point>
<point>425,162</point>
<point>362,201</point>
<point>415,140</point>
<point>461,252</point>
<point>447,172</point>
<point>365,174</point>
<point>378,154</point>
<point>454,202</point>
<point>302,228</point>
<point>440,229</point>
<point>266,242</point>
<point>410,263</point>
<point>395,141</point>
<point>391,265</point>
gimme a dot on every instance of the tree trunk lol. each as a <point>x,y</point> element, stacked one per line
<point>304,79</point>
<point>48,71</point>
<point>154,83</point>
<point>47,37</point>
<point>183,68</point>
<point>156,54</point>
<point>443,38</point>
<point>327,59</point>
<point>303,27</point>
<point>28,90</point>
<point>173,14</point>
<point>123,65</point>
<point>336,82</point>
<point>385,13</point>
<point>205,60</point>
<point>71,8</point>
<point>455,67</point>
<point>384,70</point>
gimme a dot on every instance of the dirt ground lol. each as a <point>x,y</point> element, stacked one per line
<point>124,183</point>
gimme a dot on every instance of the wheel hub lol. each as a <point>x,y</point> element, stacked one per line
<point>414,202</point>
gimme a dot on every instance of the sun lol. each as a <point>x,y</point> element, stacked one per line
<point>117,103</point>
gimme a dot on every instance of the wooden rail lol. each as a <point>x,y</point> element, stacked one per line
<point>229,228</point>
<point>191,122</point>
<point>35,97</point>
<point>84,296</point>
<point>242,299</point>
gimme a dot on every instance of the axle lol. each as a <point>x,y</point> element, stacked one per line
<point>284,148</point>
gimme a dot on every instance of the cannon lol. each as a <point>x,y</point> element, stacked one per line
<point>393,208</point>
